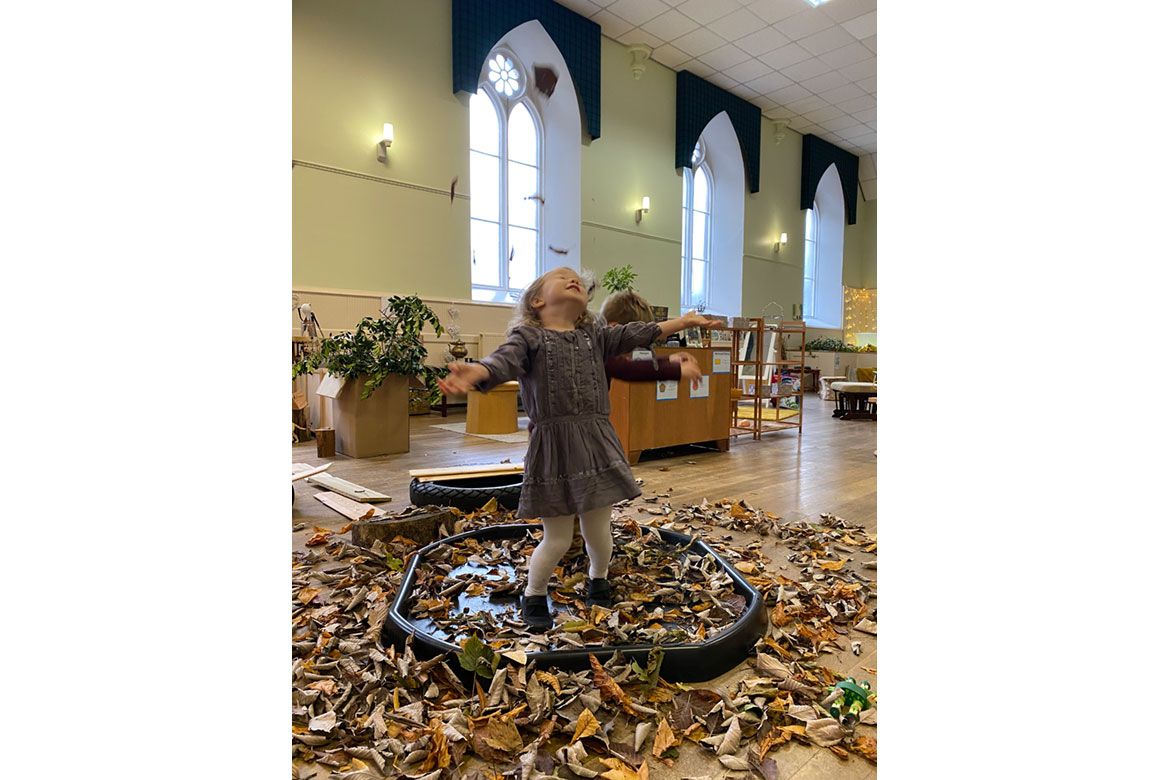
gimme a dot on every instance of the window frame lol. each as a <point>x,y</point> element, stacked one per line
<point>808,306</point>
<point>504,106</point>
<point>687,302</point>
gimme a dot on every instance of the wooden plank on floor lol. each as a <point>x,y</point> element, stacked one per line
<point>347,489</point>
<point>302,470</point>
<point>483,470</point>
<point>354,510</point>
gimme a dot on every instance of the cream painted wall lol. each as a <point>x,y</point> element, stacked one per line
<point>360,63</point>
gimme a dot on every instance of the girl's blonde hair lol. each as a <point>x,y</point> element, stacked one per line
<point>525,314</point>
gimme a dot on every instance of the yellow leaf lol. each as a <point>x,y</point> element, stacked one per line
<point>745,567</point>
<point>587,726</point>
<point>664,740</point>
<point>620,770</point>
<point>833,565</point>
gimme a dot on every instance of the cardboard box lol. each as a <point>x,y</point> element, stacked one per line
<point>378,425</point>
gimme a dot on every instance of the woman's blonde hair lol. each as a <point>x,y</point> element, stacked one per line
<point>526,314</point>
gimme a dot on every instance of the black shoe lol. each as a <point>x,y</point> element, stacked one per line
<point>534,612</point>
<point>599,593</point>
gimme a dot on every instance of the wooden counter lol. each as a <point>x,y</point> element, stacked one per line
<point>643,422</point>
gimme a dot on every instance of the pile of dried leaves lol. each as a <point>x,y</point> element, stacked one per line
<point>366,711</point>
<point>664,593</point>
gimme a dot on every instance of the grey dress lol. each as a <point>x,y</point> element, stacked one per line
<point>575,462</point>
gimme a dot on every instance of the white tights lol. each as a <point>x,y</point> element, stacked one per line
<point>558,536</point>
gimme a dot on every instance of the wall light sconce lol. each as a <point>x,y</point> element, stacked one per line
<point>639,53</point>
<point>384,144</point>
<point>779,130</point>
<point>644,210</point>
<point>781,243</point>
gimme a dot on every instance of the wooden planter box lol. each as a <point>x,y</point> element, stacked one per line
<point>378,425</point>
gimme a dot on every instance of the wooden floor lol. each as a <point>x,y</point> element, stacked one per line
<point>831,468</point>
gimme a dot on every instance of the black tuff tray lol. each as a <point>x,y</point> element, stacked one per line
<point>684,662</point>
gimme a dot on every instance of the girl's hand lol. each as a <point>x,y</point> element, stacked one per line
<point>462,377</point>
<point>693,319</point>
<point>688,368</point>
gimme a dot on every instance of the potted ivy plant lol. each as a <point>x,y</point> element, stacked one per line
<point>376,361</point>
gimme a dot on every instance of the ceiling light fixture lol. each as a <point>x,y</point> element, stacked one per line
<point>816,3</point>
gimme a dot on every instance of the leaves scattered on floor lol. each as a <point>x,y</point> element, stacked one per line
<point>362,710</point>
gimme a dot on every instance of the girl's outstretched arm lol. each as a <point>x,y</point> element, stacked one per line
<point>688,320</point>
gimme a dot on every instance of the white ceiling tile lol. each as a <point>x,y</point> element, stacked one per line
<point>803,24</point>
<point>831,137</point>
<point>844,10</point>
<point>638,35</point>
<point>584,7</point>
<point>746,71</point>
<point>871,43</point>
<point>722,80</point>
<point>785,56</point>
<point>763,40</point>
<point>743,92</point>
<point>779,112</point>
<point>826,40</point>
<point>789,94</point>
<point>858,104</point>
<point>810,103</point>
<point>814,129</point>
<point>839,123</point>
<point>700,69</point>
<point>869,84</point>
<point>803,71</point>
<point>725,56</point>
<point>707,11</point>
<point>772,11</point>
<point>698,42</point>
<point>865,141</point>
<point>865,115</point>
<point>736,24</point>
<point>825,82</point>
<point>670,56</point>
<point>611,25</point>
<point>859,70</point>
<point>799,124</point>
<point>863,26</point>
<point>856,131</point>
<point>846,55</point>
<point>638,11</point>
<point>670,25</point>
<point>763,103</point>
<point>819,115</point>
<point>842,93</point>
<point>769,83</point>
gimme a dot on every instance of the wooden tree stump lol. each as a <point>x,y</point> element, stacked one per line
<point>422,528</point>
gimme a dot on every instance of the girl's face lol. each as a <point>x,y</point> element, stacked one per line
<point>562,287</point>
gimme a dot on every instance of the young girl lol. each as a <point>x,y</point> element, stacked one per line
<point>575,466</point>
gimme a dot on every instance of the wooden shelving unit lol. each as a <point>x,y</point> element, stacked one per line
<point>762,376</point>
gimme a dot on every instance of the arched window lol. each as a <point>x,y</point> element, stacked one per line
<point>505,182</point>
<point>696,237</point>
<point>824,250</point>
<point>810,263</point>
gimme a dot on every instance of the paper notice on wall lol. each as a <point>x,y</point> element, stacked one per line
<point>667,390</point>
<point>721,362</point>
<point>331,386</point>
<point>704,388</point>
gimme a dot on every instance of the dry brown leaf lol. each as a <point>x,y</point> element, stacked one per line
<point>730,742</point>
<point>866,746</point>
<point>327,687</point>
<point>832,565</point>
<point>779,617</point>
<point>317,539</point>
<point>609,689</point>
<point>305,595</point>
<point>496,739</point>
<point>745,567</point>
<point>664,740</point>
<point>824,731</point>
<point>549,679</point>
<point>620,770</point>
<point>587,726</point>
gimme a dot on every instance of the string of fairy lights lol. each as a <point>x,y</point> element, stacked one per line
<point>860,314</point>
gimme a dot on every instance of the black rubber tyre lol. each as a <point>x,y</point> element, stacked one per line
<point>468,494</point>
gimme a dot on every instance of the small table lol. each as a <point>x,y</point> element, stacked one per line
<point>826,391</point>
<point>493,411</point>
<point>853,400</point>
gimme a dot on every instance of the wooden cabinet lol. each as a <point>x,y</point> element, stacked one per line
<point>643,422</point>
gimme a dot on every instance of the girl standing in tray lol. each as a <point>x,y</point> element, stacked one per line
<point>575,466</point>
